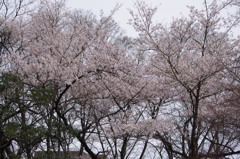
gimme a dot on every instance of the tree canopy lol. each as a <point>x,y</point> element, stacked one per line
<point>72,81</point>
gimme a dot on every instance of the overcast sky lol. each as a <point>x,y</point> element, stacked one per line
<point>166,11</point>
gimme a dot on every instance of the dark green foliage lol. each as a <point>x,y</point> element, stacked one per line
<point>11,90</point>
<point>11,87</point>
<point>20,108</point>
<point>12,129</point>
<point>42,96</point>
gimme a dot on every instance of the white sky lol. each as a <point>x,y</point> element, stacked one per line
<point>166,11</point>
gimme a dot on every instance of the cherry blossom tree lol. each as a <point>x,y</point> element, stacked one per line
<point>86,67</point>
<point>191,56</point>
